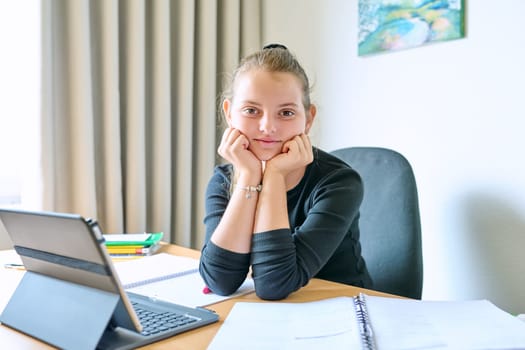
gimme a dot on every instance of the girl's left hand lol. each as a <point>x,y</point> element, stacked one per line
<point>296,153</point>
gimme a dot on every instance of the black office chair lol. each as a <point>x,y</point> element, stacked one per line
<point>390,222</point>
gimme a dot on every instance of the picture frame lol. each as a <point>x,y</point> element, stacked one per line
<point>391,25</point>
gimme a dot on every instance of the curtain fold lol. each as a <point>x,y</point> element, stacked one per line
<point>106,113</point>
<point>132,63</point>
<point>184,65</point>
<point>159,194</point>
<point>129,119</point>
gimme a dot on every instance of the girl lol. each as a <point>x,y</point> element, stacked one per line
<point>280,206</point>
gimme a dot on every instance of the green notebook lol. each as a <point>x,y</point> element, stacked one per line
<point>143,239</point>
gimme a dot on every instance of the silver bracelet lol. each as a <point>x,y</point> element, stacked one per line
<point>250,189</point>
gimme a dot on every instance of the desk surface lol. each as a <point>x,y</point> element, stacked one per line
<point>196,339</point>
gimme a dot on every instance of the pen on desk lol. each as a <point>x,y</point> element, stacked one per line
<point>14,266</point>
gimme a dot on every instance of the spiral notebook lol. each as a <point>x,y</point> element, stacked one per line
<point>171,278</point>
<point>370,322</point>
<point>154,268</point>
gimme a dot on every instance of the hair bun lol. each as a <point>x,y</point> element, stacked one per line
<point>275,46</point>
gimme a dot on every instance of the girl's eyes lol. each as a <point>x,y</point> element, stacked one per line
<point>287,113</point>
<point>249,111</point>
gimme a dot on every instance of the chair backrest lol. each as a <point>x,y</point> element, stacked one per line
<point>390,221</point>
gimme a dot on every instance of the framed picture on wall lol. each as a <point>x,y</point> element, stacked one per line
<point>389,25</point>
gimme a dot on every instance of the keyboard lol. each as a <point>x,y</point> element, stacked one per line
<point>154,322</point>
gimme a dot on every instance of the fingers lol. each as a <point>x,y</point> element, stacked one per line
<point>299,144</point>
<point>224,141</point>
<point>307,147</point>
<point>234,148</point>
<point>232,139</point>
<point>296,152</point>
<point>306,140</point>
<point>241,142</point>
<point>229,136</point>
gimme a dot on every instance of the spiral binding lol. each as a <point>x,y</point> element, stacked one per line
<point>365,328</point>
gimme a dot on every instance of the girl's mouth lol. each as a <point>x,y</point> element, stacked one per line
<point>266,141</point>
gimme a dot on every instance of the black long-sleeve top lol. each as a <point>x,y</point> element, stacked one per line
<point>322,242</point>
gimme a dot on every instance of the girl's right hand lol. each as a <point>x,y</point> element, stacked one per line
<point>234,147</point>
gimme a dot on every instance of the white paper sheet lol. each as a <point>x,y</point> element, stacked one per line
<point>462,325</point>
<point>326,324</point>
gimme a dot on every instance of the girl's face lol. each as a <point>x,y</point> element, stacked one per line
<point>267,108</point>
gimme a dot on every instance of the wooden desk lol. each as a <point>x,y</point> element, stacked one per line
<point>200,338</point>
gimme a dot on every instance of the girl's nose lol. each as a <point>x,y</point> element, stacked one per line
<point>267,124</point>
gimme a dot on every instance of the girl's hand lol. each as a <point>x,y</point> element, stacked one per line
<point>234,148</point>
<point>296,153</point>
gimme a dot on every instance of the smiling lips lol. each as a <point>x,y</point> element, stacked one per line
<point>267,142</point>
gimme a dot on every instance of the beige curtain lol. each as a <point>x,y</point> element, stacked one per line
<point>130,91</point>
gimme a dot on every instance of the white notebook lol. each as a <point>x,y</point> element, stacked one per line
<point>383,324</point>
<point>172,278</point>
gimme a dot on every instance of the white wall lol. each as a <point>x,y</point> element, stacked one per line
<point>456,110</point>
<point>20,107</point>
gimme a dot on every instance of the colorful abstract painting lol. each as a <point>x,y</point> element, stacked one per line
<point>387,25</point>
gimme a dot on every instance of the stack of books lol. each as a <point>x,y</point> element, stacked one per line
<point>132,244</point>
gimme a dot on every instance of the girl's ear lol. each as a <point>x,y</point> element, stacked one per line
<point>312,111</point>
<point>226,105</point>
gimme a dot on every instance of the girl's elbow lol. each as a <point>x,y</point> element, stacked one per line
<point>268,292</point>
<point>221,286</point>
<point>223,290</point>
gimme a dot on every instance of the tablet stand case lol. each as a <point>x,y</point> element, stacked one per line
<point>60,313</point>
